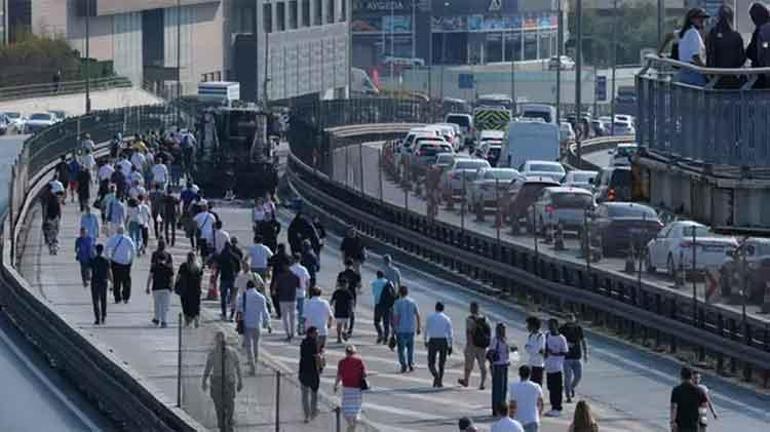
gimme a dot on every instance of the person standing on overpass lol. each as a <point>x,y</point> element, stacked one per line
<point>84,252</point>
<point>555,351</point>
<point>383,296</point>
<point>578,350</point>
<point>391,272</point>
<point>160,282</point>
<point>406,321</point>
<point>478,335</point>
<point>224,368</point>
<point>352,279</point>
<point>687,400</point>
<point>438,339</point>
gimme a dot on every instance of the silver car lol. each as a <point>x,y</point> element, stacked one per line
<point>565,206</point>
<point>581,179</point>
<point>460,175</point>
<point>489,186</point>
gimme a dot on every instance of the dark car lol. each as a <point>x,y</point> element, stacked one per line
<point>521,195</point>
<point>621,224</point>
<point>755,254</point>
<point>614,184</point>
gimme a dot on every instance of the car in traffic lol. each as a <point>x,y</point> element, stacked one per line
<point>559,205</point>
<point>563,62</point>
<point>15,121</point>
<point>426,149</point>
<point>465,121</point>
<point>621,128</point>
<point>544,112</point>
<point>405,147</point>
<point>4,124</point>
<point>457,177</point>
<point>537,168</point>
<point>489,186</point>
<point>39,121</point>
<point>752,260</point>
<point>614,184</point>
<point>452,133</point>
<point>673,248</point>
<point>619,225</point>
<point>490,150</point>
<point>599,128</point>
<point>445,160</point>
<point>580,179</point>
<point>566,133</point>
<point>622,154</point>
<point>520,195</point>
<point>59,115</point>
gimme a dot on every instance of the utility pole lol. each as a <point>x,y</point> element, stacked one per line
<point>661,9</point>
<point>513,81</point>
<point>559,47</point>
<point>267,79</point>
<point>257,4</point>
<point>178,62</point>
<point>578,78</point>
<point>614,56</point>
<point>88,56</point>
<point>392,42</point>
<point>414,29</point>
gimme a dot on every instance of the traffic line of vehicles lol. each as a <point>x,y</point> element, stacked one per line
<point>14,122</point>
<point>516,175</point>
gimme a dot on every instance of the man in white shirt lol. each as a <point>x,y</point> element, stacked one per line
<point>121,251</point>
<point>506,422</point>
<point>125,166</point>
<point>535,348</point>
<point>160,174</point>
<point>252,308</point>
<point>221,238</point>
<point>526,398</point>
<point>304,283</point>
<point>259,255</point>
<point>318,314</point>
<point>556,349</point>
<point>105,172</point>
<point>138,160</point>
<point>438,339</point>
<point>205,222</point>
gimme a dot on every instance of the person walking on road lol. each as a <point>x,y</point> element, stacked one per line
<point>318,314</point>
<point>383,296</point>
<point>188,283</point>
<point>304,283</point>
<point>353,249</point>
<point>252,309</point>
<point>466,425</point>
<point>51,220</point>
<point>159,281</point>
<point>438,339</point>
<point>573,361</point>
<point>391,272</point>
<point>100,276</point>
<point>506,423</point>
<point>286,284</point>
<point>687,401</point>
<point>121,251</point>
<point>498,356</point>
<point>90,222</point>
<point>224,368</point>
<point>83,185</point>
<point>309,375</point>
<point>351,372</point>
<point>116,213</point>
<point>526,398</point>
<point>169,214</point>
<point>301,229</point>
<point>478,336</point>
<point>84,252</point>
<point>309,260</point>
<point>352,278</point>
<point>228,264</point>
<point>696,379</point>
<point>583,420</point>
<point>535,348</point>
<point>259,256</point>
<point>405,321</point>
<point>556,349</point>
<point>342,302</point>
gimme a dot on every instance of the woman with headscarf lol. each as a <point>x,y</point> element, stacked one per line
<point>691,47</point>
<point>188,286</point>
<point>724,47</point>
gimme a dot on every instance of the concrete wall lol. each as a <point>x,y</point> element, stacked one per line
<point>201,35</point>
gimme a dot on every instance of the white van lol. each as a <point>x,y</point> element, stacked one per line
<point>541,111</point>
<point>529,140</point>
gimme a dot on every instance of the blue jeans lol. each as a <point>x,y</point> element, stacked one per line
<point>573,372</point>
<point>300,315</point>
<point>135,232</point>
<point>499,386</point>
<point>225,288</point>
<point>686,76</point>
<point>405,341</point>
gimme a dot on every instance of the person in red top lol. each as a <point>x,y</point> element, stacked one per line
<point>351,371</point>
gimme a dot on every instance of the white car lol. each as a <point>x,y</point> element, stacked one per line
<point>581,179</point>
<point>621,128</point>
<point>535,168</point>
<point>673,247</point>
<point>621,155</point>
<point>482,189</point>
<point>39,121</point>
<point>15,121</point>
<point>566,63</point>
<point>566,133</point>
<point>452,134</point>
<point>460,175</point>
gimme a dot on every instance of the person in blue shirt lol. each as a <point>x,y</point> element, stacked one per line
<point>73,167</point>
<point>84,251</point>
<point>382,306</point>
<point>90,222</point>
<point>406,321</point>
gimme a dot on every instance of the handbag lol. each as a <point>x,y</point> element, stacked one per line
<point>364,386</point>
<point>492,355</point>
<point>239,327</point>
<point>392,343</point>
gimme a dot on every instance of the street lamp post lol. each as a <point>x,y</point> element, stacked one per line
<point>88,56</point>
<point>578,78</point>
<point>559,47</point>
<point>614,56</point>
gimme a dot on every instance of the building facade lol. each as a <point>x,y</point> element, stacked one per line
<point>453,31</point>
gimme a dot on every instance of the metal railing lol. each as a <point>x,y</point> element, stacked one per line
<point>725,122</point>
<point>61,88</point>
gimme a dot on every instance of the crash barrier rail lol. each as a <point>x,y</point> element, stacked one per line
<point>100,376</point>
<point>721,124</point>
<point>62,88</point>
<point>634,307</point>
<point>591,146</point>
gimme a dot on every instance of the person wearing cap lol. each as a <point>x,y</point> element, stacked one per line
<point>691,47</point>
<point>351,372</point>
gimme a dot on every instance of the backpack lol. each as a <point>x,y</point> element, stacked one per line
<point>388,296</point>
<point>482,333</point>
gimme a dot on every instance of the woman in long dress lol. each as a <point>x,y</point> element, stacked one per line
<point>351,371</point>
<point>189,288</point>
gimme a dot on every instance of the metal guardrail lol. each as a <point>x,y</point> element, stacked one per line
<point>594,145</point>
<point>723,123</point>
<point>638,308</point>
<point>61,88</point>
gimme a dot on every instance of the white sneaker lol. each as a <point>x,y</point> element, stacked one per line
<point>553,413</point>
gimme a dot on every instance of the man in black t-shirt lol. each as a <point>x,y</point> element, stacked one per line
<point>100,275</point>
<point>343,303</point>
<point>686,401</point>
<point>353,280</point>
<point>578,350</point>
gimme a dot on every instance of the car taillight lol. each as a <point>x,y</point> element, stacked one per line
<point>611,195</point>
<point>550,209</point>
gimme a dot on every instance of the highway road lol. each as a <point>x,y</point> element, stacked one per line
<point>34,397</point>
<point>599,158</point>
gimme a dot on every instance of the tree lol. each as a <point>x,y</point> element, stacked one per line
<point>34,59</point>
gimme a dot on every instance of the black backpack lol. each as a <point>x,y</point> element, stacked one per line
<point>388,296</point>
<point>482,333</point>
